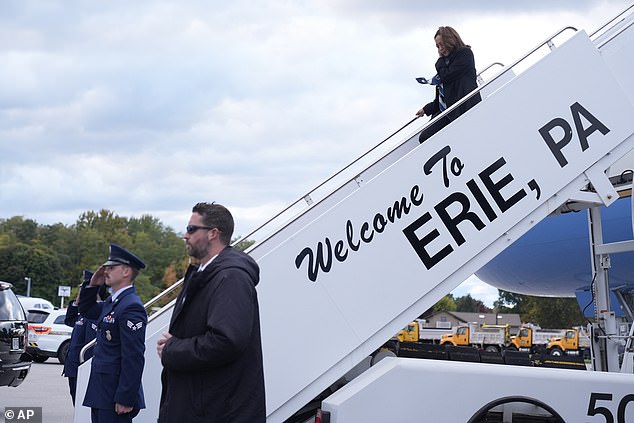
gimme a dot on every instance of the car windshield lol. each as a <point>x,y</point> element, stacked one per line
<point>10,308</point>
<point>36,316</point>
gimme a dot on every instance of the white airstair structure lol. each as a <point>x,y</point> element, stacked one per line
<point>350,270</point>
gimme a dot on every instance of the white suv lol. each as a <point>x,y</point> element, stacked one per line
<point>32,303</point>
<point>48,335</point>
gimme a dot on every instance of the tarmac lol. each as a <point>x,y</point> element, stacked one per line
<point>43,387</point>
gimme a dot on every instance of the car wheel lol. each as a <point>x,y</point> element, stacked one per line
<point>556,352</point>
<point>39,358</point>
<point>63,351</point>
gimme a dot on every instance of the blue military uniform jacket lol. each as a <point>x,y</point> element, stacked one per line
<point>84,331</point>
<point>118,361</point>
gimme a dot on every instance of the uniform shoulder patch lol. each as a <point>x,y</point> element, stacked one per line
<point>134,326</point>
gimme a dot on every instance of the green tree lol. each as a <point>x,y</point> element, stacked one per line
<point>63,242</point>
<point>512,302</point>
<point>36,262</point>
<point>157,245</point>
<point>446,303</point>
<point>468,304</point>
<point>243,245</point>
<point>24,230</point>
<point>105,222</point>
<point>554,312</point>
<point>53,255</point>
<point>547,312</point>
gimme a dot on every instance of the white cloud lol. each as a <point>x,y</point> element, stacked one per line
<point>249,104</point>
<point>478,290</point>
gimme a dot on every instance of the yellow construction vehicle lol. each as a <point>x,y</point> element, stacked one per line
<point>574,342</point>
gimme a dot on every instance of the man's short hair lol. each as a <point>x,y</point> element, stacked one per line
<point>216,216</point>
<point>135,273</point>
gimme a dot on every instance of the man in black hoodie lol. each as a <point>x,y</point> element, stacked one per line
<point>212,353</point>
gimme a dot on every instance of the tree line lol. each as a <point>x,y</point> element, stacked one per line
<point>54,255</point>
<point>546,312</point>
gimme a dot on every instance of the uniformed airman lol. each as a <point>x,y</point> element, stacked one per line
<point>114,391</point>
<point>84,331</point>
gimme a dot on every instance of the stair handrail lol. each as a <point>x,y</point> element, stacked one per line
<point>307,197</point>
<point>479,78</point>
<point>610,21</point>
<point>147,305</point>
<point>614,35</point>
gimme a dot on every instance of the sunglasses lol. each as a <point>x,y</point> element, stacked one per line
<point>193,228</point>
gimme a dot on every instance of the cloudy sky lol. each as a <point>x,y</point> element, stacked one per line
<point>148,107</point>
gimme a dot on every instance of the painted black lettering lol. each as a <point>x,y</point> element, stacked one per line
<point>350,235</point>
<point>413,196</point>
<point>583,133</point>
<point>379,223</point>
<point>482,201</point>
<point>314,264</point>
<point>451,223</point>
<point>534,186</point>
<point>593,410</point>
<point>456,166</point>
<point>398,209</point>
<point>420,244</point>
<point>364,230</point>
<point>622,407</point>
<point>441,155</point>
<point>557,146</point>
<point>494,188</point>
<point>340,252</point>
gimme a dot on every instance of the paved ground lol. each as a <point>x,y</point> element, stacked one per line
<point>44,387</point>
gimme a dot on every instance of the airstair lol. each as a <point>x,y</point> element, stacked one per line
<point>342,272</point>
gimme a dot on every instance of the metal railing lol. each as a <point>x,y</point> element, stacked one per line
<point>615,34</point>
<point>147,305</point>
<point>308,198</point>
<point>611,21</point>
<point>479,78</point>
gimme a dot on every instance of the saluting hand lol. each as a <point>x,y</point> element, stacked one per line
<point>99,277</point>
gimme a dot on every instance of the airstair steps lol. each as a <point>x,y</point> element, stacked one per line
<point>347,272</point>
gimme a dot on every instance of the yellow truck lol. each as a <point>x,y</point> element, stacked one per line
<point>414,341</point>
<point>417,332</point>
<point>532,338</point>
<point>573,342</point>
<point>493,338</point>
